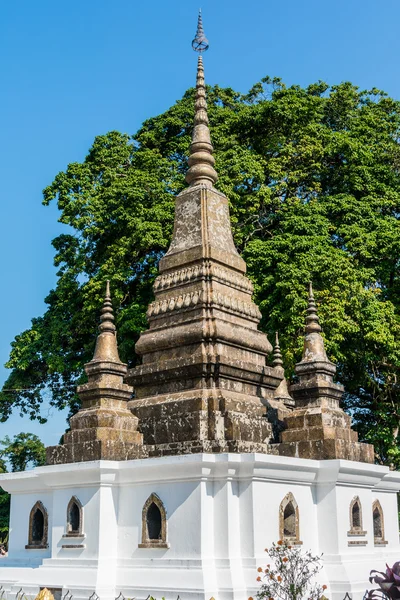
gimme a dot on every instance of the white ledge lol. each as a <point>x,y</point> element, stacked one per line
<point>206,467</point>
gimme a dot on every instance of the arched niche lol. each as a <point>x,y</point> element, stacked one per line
<point>356,517</point>
<point>289,520</point>
<point>38,527</point>
<point>74,517</point>
<point>154,524</point>
<point>378,523</point>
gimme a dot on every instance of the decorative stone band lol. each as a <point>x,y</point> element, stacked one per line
<point>189,300</point>
<point>317,367</point>
<point>194,331</point>
<point>189,274</point>
<point>357,543</point>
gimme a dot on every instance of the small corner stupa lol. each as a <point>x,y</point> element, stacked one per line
<point>203,377</point>
<point>318,428</point>
<point>104,427</point>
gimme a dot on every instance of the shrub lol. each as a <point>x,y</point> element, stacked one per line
<point>290,574</point>
<point>389,583</point>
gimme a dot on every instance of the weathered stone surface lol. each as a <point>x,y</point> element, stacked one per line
<point>318,428</point>
<point>94,450</point>
<point>104,428</point>
<point>204,375</point>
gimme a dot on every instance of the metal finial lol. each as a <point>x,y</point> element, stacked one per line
<point>312,320</point>
<point>277,355</point>
<point>200,42</point>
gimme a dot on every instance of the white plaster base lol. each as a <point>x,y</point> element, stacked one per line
<point>222,511</point>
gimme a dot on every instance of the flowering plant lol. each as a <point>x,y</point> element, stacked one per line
<point>290,574</point>
<point>389,583</point>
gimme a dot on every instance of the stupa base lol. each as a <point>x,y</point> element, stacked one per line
<point>221,510</point>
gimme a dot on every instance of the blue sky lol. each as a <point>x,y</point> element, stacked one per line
<point>73,69</point>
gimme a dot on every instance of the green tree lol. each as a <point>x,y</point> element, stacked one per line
<point>4,508</point>
<point>313,178</point>
<point>25,450</point>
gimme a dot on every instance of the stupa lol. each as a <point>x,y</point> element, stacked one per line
<point>178,488</point>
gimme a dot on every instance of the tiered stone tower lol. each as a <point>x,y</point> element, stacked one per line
<point>203,385</point>
<point>103,428</point>
<point>204,370</point>
<point>318,428</point>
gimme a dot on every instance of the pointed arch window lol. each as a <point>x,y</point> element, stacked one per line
<point>379,525</point>
<point>356,518</point>
<point>38,527</point>
<point>154,524</point>
<point>74,518</point>
<point>289,522</point>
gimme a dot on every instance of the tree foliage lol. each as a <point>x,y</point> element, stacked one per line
<point>4,508</point>
<point>312,175</point>
<point>23,451</point>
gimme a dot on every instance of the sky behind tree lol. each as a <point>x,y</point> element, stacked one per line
<point>72,70</point>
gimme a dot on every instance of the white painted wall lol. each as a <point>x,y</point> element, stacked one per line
<point>222,511</point>
<point>21,506</point>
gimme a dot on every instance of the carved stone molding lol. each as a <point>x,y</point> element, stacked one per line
<point>197,272</point>
<point>191,299</point>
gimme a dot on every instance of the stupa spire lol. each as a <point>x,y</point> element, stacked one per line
<point>203,357</point>
<point>106,344</point>
<point>312,320</point>
<point>277,355</point>
<point>281,393</point>
<point>201,161</point>
<point>314,347</point>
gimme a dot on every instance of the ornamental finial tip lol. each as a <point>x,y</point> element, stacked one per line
<point>200,42</point>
